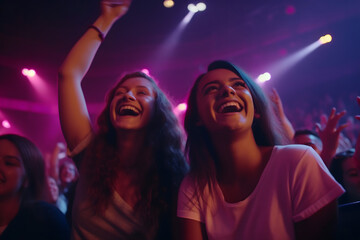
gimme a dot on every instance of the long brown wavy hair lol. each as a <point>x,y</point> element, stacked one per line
<point>162,175</point>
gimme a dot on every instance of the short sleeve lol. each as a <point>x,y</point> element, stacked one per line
<point>312,187</point>
<point>188,204</point>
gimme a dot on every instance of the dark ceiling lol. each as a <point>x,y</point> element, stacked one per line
<point>253,34</point>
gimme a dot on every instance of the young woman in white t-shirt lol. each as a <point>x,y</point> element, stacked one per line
<point>242,183</point>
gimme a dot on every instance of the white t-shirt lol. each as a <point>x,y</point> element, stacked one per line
<point>294,185</point>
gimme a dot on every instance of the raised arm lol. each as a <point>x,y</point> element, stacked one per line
<point>330,135</point>
<point>74,116</point>
<point>279,110</point>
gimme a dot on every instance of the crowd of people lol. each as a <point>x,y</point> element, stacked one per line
<point>241,169</point>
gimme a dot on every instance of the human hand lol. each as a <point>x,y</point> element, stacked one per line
<point>329,134</point>
<point>114,9</point>
<point>275,98</point>
<point>279,110</point>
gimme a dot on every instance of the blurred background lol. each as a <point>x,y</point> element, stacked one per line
<point>279,37</point>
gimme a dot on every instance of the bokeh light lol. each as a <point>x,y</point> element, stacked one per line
<point>168,3</point>
<point>325,39</point>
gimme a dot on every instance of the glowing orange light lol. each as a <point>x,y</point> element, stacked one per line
<point>168,3</point>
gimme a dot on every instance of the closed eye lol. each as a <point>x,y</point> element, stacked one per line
<point>142,93</point>
<point>239,84</point>
<point>11,161</point>
<point>210,88</point>
<point>120,91</point>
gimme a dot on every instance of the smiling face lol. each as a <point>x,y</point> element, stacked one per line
<point>67,173</point>
<point>12,171</point>
<point>224,102</point>
<point>132,105</point>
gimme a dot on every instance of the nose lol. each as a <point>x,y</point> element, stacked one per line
<point>129,95</point>
<point>227,91</point>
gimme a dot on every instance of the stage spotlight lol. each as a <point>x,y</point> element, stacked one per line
<point>182,107</point>
<point>196,8</point>
<point>192,8</point>
<point>31,73</point>
<point>325,39</point>
<point>201,6</point>
<point>5,124</point>
<point>28,73</point>
<point>168,3</point>
<point>264,77</point>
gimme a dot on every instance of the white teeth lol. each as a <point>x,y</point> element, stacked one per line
<point>229,104</point>
<point>127,107</point>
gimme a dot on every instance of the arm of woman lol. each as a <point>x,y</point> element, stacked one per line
<point>74,116</point>
<point>320,225</point>
<point>191,229</point>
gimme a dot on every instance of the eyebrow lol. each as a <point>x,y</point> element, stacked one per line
<point>11,157</point>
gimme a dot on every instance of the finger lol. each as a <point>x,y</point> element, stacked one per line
<point>318,128</point>
<point>323,120</point>
<point>341,127</point>
<point>332,114</point>
<point>338,116</point>
<point>332,122</point>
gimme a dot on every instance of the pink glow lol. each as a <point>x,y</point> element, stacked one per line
<point>25,71</point>
<point>28,72</point>
<point>5,124</point>
<point>31,73</point>
<point>182,107</point>
<point>290,10</point>
<point>146,71</point>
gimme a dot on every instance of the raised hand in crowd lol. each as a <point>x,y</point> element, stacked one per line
<point>329,133</point>
<point>279,111</point>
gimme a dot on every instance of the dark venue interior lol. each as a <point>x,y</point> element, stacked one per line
<point>256,35</point>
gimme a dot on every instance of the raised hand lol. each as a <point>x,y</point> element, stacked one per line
<point>329,134</point>
<point>279,110</point>
<point>114,9</point>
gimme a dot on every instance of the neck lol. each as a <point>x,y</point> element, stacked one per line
<point>9,208</point>
<point>239,155</point>
<point>129,147</point>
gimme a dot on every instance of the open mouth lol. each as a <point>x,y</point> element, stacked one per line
<point>127,110</point>
<point>230,107</point>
